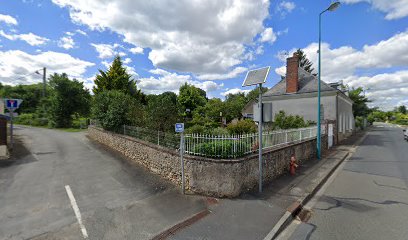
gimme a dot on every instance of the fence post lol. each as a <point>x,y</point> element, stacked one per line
<point>286,136</point>
<point>124,129</point>
<point>300,134</point>
<point>158,137</point>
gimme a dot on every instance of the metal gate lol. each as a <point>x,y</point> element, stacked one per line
<point>330,135</point>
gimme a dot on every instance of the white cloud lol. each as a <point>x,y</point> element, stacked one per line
<point>345,62</point>
<point>66,42</point>
<point>30,38</point>
<point>281,71</point>
<point>105,50</point>
<point>184,42</point>
<point>127,61</point>
<point>286,7</point>
<point>81,32</point>
<point>18,67</point>
<point>8,19</point>
<point>167,81</point>
<point>136,50</point>
<point>386,90</point>
<point>237,71</point>
<point>394,9</point>
<point>235,91</point>
<point>268,36</point>
<point>342,62</point>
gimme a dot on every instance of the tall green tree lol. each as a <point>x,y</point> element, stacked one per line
<point>304,62</point>
<point>254,94</point>
<point>402,109</point>
<point>113,109</point>
<point>68,97</point>
<point>117,78</point>
<point>234,103</point>
<point>360,107</point>
<point>162,111</point>
<point>190,97</point>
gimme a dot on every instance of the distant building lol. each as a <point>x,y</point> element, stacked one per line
<point>296,94</point>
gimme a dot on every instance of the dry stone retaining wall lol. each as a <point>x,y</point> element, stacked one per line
<point>213,177</point>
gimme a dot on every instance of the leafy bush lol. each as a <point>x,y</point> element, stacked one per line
<point>242,127</point>
<point>224,149</point>
<point>31,119</point>
<point>196,129</point>
<point>282,121</point>
<point>359,122</point>
<point>112,109</point>
<point>219,131</point>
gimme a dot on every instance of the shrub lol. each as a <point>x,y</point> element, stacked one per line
<point>283,121</point>
<point>218,149</point>
<point>111,109</point>
<point>242,127</point>
<point>219,131</point>
<point>196,129</point>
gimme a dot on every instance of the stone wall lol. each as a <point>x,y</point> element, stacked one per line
<point>213,177</point>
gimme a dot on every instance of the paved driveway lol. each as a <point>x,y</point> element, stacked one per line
<point>58,180</point>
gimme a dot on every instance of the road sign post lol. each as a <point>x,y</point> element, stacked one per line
<point>11,105</point>
<point>179,127</point>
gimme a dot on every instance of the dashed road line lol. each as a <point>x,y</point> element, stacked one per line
<point>76,210</point>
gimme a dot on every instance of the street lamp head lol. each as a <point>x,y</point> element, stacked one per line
<point>334,6</point>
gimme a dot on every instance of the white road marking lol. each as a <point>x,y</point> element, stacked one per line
<point>76,210</point>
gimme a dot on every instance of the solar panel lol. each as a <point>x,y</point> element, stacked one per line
<point>256,76</point>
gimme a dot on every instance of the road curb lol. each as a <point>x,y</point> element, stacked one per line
<point>297,205</point>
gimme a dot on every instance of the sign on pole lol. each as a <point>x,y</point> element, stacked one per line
<point>179,127</point>
<point>11,105</point>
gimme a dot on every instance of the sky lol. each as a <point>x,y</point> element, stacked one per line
<point>210,44</point>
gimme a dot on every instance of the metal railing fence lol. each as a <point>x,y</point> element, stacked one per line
<point>233,146</point>
<point>220,146</point>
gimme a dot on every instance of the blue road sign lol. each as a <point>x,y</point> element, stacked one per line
<point>179,127</point>
<point>12,104</point>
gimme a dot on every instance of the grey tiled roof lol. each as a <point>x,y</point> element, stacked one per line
<point>307,84</point>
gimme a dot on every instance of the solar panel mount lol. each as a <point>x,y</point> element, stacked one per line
<point>256,76</point>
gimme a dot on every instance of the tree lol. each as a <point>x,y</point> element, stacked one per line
<point>30,94</point>
<point>254,94</point>
<point>68,98</point>
<point>234,103</point>
<point>190,97</point>
<point>117,78</point>
<point>360,107</point>
<point>402,109</point>
<point>162,111</point>
<point>304,62</point>
<point>209,116</point>
<point>112,109</point>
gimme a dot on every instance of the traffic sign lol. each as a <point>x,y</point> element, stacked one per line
<point>13,104</point>
<point>179,127</point>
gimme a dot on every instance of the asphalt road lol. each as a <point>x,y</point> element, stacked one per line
<point>115,199</point>
<point>368,199</point>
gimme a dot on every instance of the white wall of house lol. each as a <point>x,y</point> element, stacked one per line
<point>306,107</point>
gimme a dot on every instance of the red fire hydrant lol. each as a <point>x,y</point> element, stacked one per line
<point>293,165</point>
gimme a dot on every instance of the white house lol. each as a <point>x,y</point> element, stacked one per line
<point>296,94</point>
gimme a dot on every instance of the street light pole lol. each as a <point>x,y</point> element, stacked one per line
<point>332,7</point>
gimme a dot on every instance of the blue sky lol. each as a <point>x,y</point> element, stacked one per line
<point>210,44</point>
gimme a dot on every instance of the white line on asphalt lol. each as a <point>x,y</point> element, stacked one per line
<point>76,210</point>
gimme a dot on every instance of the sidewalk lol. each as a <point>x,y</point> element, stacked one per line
<point>253,215</point>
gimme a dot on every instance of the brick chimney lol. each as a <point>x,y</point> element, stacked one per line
<point>292,75</point>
